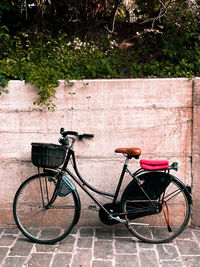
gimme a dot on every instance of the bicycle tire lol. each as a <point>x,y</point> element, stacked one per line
<point>44,226</point>
<point>171,217</point>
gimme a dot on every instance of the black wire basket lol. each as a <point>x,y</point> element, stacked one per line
<point>47,155</point>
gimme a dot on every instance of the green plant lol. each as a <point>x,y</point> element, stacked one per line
<point>173,50</point>
<point>44,62</point>
<point>3,91</point>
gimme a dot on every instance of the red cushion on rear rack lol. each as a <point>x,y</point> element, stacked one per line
<point>154,167</point>
<point>154,162</point>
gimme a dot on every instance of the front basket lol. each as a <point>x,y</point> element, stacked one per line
<point>47,155</point>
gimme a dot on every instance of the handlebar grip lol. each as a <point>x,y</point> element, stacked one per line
<point>88,135</point>
<point>62,130</point>
<point>81,136</point>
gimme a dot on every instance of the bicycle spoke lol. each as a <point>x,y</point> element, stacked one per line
<point>62,207</point>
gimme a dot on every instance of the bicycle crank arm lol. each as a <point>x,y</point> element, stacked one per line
<point>141,224</point>
<point>118,219</point>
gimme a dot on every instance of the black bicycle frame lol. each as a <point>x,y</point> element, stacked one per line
<point>83,184</point>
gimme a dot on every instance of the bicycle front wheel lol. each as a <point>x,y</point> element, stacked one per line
<point>167,220</point>
<point>40,222</point>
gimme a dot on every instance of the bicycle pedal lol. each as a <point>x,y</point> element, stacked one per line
<point>93,208</point>
<point>118,219</point>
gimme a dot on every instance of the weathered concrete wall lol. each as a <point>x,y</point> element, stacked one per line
<point>153,114</point>
<point>196,153</point>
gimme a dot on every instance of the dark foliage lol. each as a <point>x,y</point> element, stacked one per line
<point>44,41</point>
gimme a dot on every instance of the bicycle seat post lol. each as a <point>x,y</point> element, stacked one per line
<point>126,161</point>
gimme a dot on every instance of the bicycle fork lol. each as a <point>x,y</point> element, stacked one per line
<point>43,189</point>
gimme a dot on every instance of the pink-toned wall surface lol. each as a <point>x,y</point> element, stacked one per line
<point>196,153</point>
<point>153,114</point>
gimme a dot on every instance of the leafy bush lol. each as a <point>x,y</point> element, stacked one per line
<point>170,50</point>
<point>173,50</point>
<point>44,62</point>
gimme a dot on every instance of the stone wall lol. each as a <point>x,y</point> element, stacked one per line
<point>153,114</point>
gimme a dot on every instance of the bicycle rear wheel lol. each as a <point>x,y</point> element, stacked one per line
<point>39,222</point>
<point>159,220</point>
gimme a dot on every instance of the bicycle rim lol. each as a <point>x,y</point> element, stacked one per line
<point>40,224</point>
<point>173,215</point>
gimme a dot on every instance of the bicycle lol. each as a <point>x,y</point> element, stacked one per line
<point>155,206</point>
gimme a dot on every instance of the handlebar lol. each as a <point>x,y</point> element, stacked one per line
<point>64,140</point>
<point>65,133</point>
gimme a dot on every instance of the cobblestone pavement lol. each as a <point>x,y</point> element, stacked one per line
<point>99,247</point>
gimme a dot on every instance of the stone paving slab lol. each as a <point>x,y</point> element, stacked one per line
<point>99,247</point>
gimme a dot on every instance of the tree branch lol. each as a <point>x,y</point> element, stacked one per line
<point>113,16</point>
<point>162,12</point>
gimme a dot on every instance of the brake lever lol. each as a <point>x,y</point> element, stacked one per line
<point>81,139</point>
